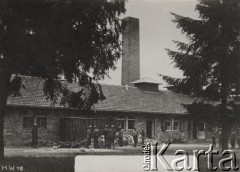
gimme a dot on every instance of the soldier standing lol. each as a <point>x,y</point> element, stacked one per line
<point>89,136</point>
<point>95,136</point>
<point>120,136</point>
<point>106,136</point>
<point>143,135</point>
<point>112,135</point>
<point>135,136</point>
<point>34,136</point>
<point>220,137</point>
<point>214,132</point>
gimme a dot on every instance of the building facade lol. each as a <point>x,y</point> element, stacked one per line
<point>137,102</point>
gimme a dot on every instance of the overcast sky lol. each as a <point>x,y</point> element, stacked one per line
<point>156,33</point>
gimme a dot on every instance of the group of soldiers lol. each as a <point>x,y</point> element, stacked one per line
<point>110,134</point>
<point>234,136</point>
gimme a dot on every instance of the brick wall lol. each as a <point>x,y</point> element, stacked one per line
<point>131,51</point>
<point>16,135</point>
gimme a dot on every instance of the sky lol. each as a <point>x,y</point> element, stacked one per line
<point>157,32</point>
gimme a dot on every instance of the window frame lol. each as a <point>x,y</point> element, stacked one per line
<point>127,120</point>
<point>26,123</point>
<point>178,122</point>
<point>42,127</point>
<point>171,122</point>
<point>34,120</point>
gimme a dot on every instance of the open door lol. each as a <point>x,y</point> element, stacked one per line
<point>149,129</point>
<point>201,130</point>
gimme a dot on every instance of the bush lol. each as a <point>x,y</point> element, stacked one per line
<point>179,138</point>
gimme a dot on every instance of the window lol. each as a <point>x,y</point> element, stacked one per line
<point>42,122</point>
<point>176,125</point>
<point>172,125</point>
<point>120,122</point>
<point>28,121</point>
<point>168,125</point>
<point>130,122</point>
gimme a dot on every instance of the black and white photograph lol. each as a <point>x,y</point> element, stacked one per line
<point>119,85</point>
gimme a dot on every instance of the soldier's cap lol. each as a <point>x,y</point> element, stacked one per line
<point>95,126</point>
<point>112,126</point>
<point>89,126</point>
<point>106,125</point>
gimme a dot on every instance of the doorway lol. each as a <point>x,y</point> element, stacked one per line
<point>149,129</point>
<point>194,130</point>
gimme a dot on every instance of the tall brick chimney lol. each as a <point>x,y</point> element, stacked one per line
<point>131,51</point>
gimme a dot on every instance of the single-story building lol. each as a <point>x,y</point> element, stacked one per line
<point>136,102</point>
<point>160,113</point>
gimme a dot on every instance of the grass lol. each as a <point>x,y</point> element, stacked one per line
<point>39,164</point>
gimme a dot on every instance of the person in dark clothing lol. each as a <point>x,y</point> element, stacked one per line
<point>238,137</point>
<point>34,136</point>
<point>95,136</point>
<point>220,137</point>
<point>143,135</point>
<point>112,135</point>
<point>135,136</point>
<point>214,133</point>
<point>89,136</point>
<point>233,138</point>
<point>106,136</point>
<point>120,136</point>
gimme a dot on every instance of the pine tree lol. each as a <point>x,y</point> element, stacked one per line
<point>210,58</point>
<point>77,39</point>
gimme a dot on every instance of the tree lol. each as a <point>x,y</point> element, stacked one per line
<point>210,60</point>
<point>74,39</point>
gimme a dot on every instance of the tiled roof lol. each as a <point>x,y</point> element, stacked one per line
<point>117,99</point>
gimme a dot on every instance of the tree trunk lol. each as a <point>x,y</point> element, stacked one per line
<point>225,131</point>
<point>4,91</point>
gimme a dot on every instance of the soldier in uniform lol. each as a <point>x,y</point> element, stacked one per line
<point>214,137</point>
<point>106,136</point>
<point>135,136</point>
<point>143,135</point>
<point>89,136</point>
<point>112,135</point>
<point>120,136</point>
<point>220,137</point>
<point>34,136</point>
<point>95,136</point>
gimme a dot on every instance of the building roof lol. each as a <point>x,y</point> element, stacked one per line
<point>146,80</point>
<point>118,98</point>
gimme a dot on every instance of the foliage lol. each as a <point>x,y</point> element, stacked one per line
<point>211,56</point>
<point>74,40</point>
<point>77,40</point>
<point>210,59</point>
